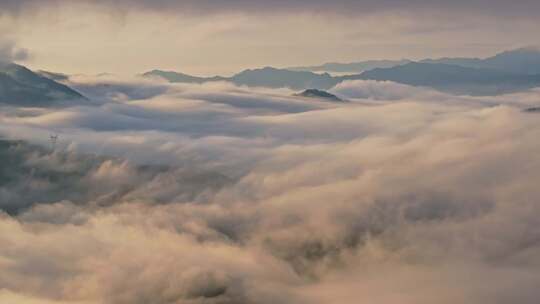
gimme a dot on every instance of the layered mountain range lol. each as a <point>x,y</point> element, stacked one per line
<point>506,72</point>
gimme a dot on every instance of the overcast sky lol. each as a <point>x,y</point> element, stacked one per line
<point>222,37</point>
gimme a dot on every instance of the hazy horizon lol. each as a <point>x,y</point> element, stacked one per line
<point>205,38</point>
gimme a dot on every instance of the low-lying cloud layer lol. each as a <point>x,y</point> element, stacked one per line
<point>160,193</point>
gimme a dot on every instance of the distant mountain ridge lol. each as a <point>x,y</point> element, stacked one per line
<point>506,72</point>
<point>264,77</point>
<point>353,67</point>
<point>444,77</point>
<point>20,86</point>
<point>454,78</point>
<point>522,61</point>
<point>278,78</point>
<point>176,77</point>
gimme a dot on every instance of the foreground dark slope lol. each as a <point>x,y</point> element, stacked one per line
<point>22,87</point>
<point>68,176</point>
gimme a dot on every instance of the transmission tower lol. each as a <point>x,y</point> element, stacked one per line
<point>54,139</point>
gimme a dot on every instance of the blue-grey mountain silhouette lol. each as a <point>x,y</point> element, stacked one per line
<point>504,73</point>
<point>22,87</point>
<point>319,94</point>
<point>176,77</point>
<point>454,78</point>
<point>353,67</point>
<point>519,61</point>
<point>264,77</point>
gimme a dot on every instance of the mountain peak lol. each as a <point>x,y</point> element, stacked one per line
<point>21,86</point>
<point>177,77</point>
<point>524,52</point>
<point>319,94</point>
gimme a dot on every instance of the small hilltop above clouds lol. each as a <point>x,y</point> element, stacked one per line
<point>319,94</point>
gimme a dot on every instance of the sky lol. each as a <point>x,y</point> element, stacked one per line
<point>224,37</point>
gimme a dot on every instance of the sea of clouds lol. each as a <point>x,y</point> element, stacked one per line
<point>217,194</point>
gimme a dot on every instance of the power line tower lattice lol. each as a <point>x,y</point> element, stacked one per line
<point>54,139</point>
